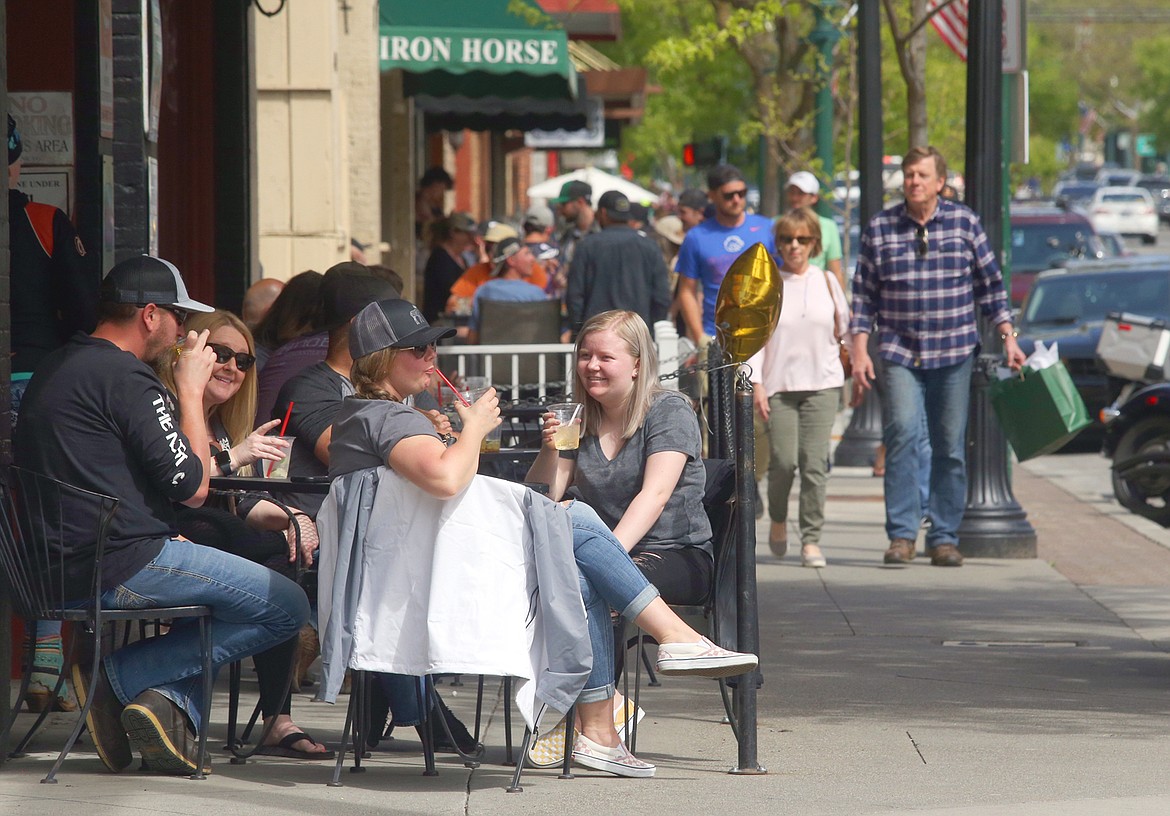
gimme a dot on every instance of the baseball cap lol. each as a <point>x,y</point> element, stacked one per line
<point>670,227</point>
<point>639,212</point>
<point>391,323</point>
<point>571,191</point>
<point>462,222</point>
<point>505,249</point>
<point>15,145</point>
<point>496,231</point>
<point>147,279</point>
<point>695,199</point>
<point>806,182</point>
<point>539,216</point>
<point>543,250</point>
<point>615,204</point>
<point>348,287</point>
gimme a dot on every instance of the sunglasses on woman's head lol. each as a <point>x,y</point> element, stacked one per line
<point>421,351</point>
<point>244,360</point>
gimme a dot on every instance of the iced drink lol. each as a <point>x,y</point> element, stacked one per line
<point>567,435</point>
<point>279,468</point>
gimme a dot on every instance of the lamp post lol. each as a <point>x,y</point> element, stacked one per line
<point>994,525</point>
<point>824,36</point>
<point>864,433</point>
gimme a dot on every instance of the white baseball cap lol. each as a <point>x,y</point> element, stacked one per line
<point>806,182</point>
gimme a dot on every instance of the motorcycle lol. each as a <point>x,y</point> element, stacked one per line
<point>1137,439</point>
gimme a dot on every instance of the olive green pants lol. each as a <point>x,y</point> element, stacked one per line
<point>799,431</point>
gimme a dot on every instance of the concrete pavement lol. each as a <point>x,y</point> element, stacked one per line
<point>1004,687</point>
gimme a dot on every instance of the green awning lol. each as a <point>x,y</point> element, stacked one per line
<point>475,48</point>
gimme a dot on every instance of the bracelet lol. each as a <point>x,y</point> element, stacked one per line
<point>1012,333</point>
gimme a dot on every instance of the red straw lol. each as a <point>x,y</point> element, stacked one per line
<point>283,428</point>
<point>454,390</point>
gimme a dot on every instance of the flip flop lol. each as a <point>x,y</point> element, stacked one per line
<point>284,748</point>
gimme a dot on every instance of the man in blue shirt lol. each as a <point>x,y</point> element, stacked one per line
<point>711,247</point>
<point>924,266</point>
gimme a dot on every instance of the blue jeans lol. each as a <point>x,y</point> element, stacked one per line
<point>253,608</point>
<point>942,393</point>
<point>609,579</point>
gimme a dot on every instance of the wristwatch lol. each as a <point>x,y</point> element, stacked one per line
<point>223,459</point>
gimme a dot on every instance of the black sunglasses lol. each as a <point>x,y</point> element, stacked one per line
<point>421,351</point>
<point>920,240</point>
<point>180,314</point>
<point>244,360</point>
<point>730,194</point>
<point>785,240</point>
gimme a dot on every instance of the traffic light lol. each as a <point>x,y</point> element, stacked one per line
<point>705,153</point>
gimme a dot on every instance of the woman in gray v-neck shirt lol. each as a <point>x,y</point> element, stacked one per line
<point>639,464</point>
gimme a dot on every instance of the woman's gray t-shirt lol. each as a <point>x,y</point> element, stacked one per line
<point>365,431</point>
<point>609,486</point>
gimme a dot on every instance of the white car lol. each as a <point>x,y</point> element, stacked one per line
<point>1126,210</point>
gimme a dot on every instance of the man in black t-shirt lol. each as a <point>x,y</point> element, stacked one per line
<point>95,416</point>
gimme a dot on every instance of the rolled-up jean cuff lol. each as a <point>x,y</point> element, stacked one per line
<point>596,695</point>
<point>642,600</point>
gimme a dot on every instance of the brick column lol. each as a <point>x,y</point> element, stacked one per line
<point>131,148</point>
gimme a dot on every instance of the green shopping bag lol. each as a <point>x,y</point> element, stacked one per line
<point>1039,410</point>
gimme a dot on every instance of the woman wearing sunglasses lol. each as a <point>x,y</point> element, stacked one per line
<point>265,534</point>
<point>798,379</point>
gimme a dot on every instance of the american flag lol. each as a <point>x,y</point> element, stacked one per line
<point>951,24</point>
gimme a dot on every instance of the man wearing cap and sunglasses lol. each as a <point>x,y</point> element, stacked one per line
<point>575,206</point>
<point>804,190</point>
<point>711,247</point>
<point>97,417</point>
<point>925,265</point>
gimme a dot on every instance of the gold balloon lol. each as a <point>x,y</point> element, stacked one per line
<point>748,305</point>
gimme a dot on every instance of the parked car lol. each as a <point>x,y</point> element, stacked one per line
<point>1113,245</point>
<point>1159,187</point>
<point>1127,210</point>
<point>1043,237</point>
<point>1069,305</point>
<point>1116,177</point>
<point>1074,193</point>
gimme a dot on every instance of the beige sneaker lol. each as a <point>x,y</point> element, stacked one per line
<point>778,538</point>
<point>703,659</point>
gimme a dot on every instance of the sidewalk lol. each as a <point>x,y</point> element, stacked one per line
<point>1004,687</point>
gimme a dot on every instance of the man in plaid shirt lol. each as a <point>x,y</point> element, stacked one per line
<point>924,266</point>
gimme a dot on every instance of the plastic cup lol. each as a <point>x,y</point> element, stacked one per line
<point>567,435</point>
<point>491,442</point>
<point>279,468</point>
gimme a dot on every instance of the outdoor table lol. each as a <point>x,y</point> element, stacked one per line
<point>260,484</point>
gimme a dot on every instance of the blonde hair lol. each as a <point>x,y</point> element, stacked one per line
<point>800,217</point>
<point>238,414</point>
<point>368,373</point>
<point>632,329</point>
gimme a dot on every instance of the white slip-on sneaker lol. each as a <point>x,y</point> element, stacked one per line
<point>703,659</point>
<point>616,760</point>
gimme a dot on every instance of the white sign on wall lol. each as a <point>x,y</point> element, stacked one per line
<point>45,122</point>
<point>48,185</point>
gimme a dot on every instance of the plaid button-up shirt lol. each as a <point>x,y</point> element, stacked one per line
<point>920,286</point>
